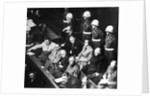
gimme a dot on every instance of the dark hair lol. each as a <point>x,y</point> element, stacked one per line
<point>47,38</point>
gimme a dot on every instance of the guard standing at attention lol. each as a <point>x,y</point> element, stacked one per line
<point>110,44</point>
<point>97,34</point>
<point>86,27</point>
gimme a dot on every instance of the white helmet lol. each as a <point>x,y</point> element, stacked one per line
<point>69,15</point>
<point>95,22</point>
<point>87,14</point>
<point>109,28</point>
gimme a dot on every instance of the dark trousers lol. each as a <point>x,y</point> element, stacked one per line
<point>65,36</point>
<point>109,56</point>
<point>43,57</point>
<point>87,37</point>
<point>96,44</point>
<point>89,69</point>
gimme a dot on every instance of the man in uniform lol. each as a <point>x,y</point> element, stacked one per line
<point>97,34</point>
<point>110,44</point>
<point>86,30</point>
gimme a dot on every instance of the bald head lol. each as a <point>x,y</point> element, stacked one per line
<point>72,39</point>
<point>113,63</point>
<point>62,53</point>
<point>71,60</point>
<point>97,51</point>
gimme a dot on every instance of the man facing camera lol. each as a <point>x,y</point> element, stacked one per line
<point>47,46</point>
<point>85,55</point>
<point>73,46</point>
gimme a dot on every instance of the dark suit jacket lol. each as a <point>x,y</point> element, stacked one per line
<point>64,62</point>
<point>73,49</point>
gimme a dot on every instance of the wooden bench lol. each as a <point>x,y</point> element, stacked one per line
<point>49,76</point>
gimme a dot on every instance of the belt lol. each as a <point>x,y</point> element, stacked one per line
<point>109,49</point>
<point>96,40</point>
<point>86,32</point>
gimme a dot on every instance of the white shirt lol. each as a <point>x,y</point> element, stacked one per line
<point>49,47</point>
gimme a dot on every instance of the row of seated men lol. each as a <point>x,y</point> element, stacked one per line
<point>56,60</point>
<point>94,54</point>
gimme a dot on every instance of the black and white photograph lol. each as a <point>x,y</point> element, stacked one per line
<point>71,47</point>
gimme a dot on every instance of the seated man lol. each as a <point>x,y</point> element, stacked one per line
<point>47,46</point>
<point>73,46</point>
<point>85,55</point>
<point>95,63</point>
<point>53,59</point>
<point>69,78</point>
<point>110,76</point>
<point>57,62</point>
<point>68,81</point>
<point>63,62</point>
<point>72,68</point>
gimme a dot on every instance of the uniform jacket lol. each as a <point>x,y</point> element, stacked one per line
<point>110,41</point>
<point>97,34</point>
<point>86,25</point>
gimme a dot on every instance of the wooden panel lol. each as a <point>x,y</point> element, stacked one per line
<point>48,75</point>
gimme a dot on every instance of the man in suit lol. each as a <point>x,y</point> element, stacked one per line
<point>63,62</point>
<point>85,55</point>
<point>73,46</point>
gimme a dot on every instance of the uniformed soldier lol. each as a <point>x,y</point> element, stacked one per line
<point>86,27</point>
<point>67,30</point>
<point>97,34</point>
<point>110,44</point>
